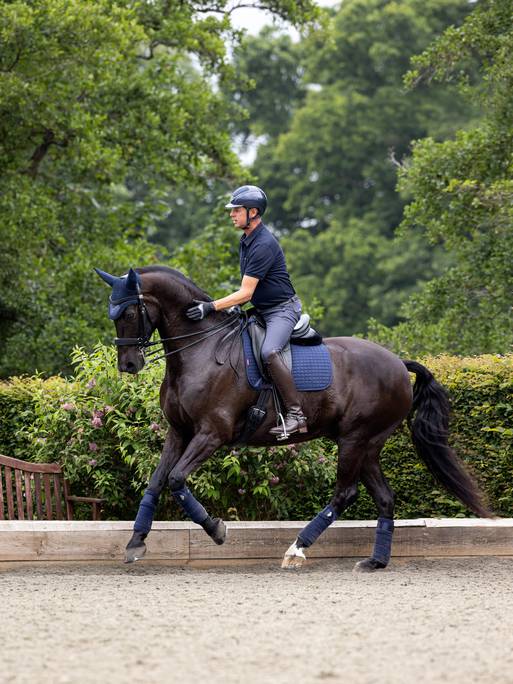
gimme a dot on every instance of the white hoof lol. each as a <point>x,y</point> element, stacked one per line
<point>294,557</point>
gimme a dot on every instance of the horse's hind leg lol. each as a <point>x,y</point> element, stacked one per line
<point>377,486</point>
<point>171,452</point>
<point>351,455</point>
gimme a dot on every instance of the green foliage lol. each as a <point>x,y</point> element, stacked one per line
<point>357,272</point>
<point>270,85</point>
<point>462,196</point>
<point>333,159</point>
<point>330,165</point>
<point>104,108</point>
<point>107,431</point>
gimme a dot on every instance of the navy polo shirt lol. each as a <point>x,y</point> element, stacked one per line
<point>262,257</point>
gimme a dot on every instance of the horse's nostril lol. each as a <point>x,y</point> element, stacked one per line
<point>128,367</point>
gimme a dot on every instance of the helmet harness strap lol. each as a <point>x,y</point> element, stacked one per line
<point>248,218</point>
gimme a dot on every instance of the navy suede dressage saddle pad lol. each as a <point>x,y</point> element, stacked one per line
<point>311,367</point>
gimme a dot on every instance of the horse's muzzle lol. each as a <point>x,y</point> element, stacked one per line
<point>130,363</point>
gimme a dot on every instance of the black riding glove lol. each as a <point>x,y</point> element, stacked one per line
<point>200,310</point>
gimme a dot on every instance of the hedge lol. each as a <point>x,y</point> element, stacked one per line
<point>107,431</point>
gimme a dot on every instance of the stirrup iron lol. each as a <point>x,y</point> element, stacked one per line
<point>284,434</point>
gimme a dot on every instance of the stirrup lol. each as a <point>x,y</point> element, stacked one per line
<point>284,434</point>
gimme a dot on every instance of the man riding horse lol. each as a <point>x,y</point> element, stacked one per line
<point>266,283</point>
<point>206,403</point>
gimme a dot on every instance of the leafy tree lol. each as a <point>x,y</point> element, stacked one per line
<point>332,173</point>
<point>335,158</point>
<point>99,100</point>
<point>356,273</point>
<point>462,193</point>
<point>270,83</point>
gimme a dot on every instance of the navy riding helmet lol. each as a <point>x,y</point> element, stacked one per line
<point>248,196</point>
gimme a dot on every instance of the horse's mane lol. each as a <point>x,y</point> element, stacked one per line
<point>195,291</point>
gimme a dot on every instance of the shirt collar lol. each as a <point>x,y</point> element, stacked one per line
<point>248,239</point>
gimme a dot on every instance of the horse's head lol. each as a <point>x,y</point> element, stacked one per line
<point>133,320</point>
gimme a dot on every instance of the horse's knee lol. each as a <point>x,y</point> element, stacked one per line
<point>344,498</point>
<point>176,480</point>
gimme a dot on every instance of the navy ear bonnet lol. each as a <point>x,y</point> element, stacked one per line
<point>125,291</point>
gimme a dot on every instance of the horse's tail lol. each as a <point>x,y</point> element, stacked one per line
<point>429,428</point>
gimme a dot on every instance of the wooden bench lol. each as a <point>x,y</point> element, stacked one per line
<point>38,491</point>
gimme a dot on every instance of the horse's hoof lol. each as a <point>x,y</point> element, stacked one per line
<point>134,553</point>
<point>294,558</point>
<point>369,565</point>
<point>219,532</point>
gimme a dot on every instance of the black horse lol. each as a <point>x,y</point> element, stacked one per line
<point>206,405</point>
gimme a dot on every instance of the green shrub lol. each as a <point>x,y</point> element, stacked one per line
<point>107,430</point>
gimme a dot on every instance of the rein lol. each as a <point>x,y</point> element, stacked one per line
<point>208,333</point>
<point>146,328</point>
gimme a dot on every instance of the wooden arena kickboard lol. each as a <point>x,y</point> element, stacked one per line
<point>183,541</point>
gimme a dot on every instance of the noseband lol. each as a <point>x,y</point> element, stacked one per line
<point>144,323</point>
<point>146,328</point>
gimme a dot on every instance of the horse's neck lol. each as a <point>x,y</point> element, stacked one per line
<point>174,324</point>
<point>173,300</point>
<point>193,334</point>
<point>207,362</point>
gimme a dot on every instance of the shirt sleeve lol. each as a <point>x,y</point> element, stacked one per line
<point>259,262</point>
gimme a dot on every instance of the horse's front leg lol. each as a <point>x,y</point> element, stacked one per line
<point>171,453</point>
<point>198,450</point>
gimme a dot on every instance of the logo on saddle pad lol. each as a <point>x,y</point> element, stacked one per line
<point>125,291</point>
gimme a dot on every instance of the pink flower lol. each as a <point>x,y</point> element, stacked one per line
<point>274,480</point>
<point>93,461</point>
<point>241,491</point>
<point>93,446</point>
<point>68,406</point>
<point>91,383</point>
<point>155,427</point>
<point>321,459</point>
<point>130,410</point>
<point>108,409</point>
<point>96,422</point>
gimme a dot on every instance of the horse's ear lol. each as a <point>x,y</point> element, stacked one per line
<point>109,279</point>
<point>131,280</point>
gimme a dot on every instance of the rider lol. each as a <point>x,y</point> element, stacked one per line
<point>266,283</point>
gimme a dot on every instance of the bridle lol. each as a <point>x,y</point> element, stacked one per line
<point>143,320</point>
<point>146,328</point>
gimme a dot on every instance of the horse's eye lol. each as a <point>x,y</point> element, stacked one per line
<point>129,316</point>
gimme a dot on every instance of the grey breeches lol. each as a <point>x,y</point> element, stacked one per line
<point>280,322</point>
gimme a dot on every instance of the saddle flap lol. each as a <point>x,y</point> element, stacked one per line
<point>257,334</point>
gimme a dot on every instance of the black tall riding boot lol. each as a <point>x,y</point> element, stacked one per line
<point>295,420</point>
